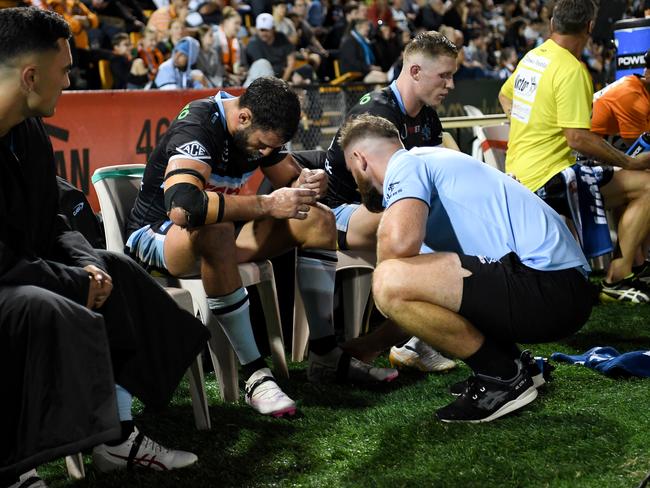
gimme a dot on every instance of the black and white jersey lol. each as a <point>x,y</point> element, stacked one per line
<point>199,132</point>
<point>424,129</point>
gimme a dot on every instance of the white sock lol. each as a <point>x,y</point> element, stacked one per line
<point>232,313</point>
<point>315,271</point>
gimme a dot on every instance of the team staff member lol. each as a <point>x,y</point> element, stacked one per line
<point>506,269</point>
<point>189,218</point>
<point>548,99</point>
<point>409,103</point>
<point>623,108</point>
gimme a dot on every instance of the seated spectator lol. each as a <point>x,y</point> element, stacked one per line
<point>379,10</point>
<point>80,19</point>
<point>356,54</point>
<point>315,13</point>
<point>127,72</point>
<point>229,48</point>
<point>282,23</point>
<point>202,12</point>
<point>208,61</point>
<point>309,47</point>
<point>353,11</point>
<point>429,15</point>
<point>75,320</point>
<point>170,37</point>
<point>474,62</point>
<point>162,17</point>
<point>507,62</point>
<point>128,11</point>
<point>387,46</point>
<point>272,48</point>
<point>176,73</point>
<point>149,53</point>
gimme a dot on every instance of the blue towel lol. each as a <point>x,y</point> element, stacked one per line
<point>588,209</point>
<point>609,361</point>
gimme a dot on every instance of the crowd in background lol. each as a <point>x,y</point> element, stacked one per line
<point>213,43</point>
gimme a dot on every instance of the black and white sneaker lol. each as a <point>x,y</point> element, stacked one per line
<point>629,290</point>
<point>539,369</point>
<point>486,398</point>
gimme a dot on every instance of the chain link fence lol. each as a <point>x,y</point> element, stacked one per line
<point>323,112</point>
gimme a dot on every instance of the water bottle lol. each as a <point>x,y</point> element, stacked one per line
<point>642,144</point>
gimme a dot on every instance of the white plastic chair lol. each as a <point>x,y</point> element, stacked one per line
<point>117,188</point>
<point>472,111</point>
<point>494,144</point>
<point>115,185</point>
<point>356,284</point>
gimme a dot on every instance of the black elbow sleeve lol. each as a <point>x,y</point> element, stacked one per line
<point>189,198</point>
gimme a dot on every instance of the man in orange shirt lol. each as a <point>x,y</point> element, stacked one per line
<point>623,108</point>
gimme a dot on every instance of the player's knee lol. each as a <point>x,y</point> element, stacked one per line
<point>321,228</point>
<point>385,286</point>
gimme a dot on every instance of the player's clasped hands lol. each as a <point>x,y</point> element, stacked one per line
<point>313,179</point>
<point>292,203</point>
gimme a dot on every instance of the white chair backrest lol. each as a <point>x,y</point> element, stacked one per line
<point>117,188</point>
<point>494,144</point>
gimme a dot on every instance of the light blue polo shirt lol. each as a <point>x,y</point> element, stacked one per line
<point>476,210</point>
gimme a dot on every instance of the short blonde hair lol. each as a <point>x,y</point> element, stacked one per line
<point>431,44</point>
<point>366,126</point>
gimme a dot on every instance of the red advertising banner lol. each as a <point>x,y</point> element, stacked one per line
<point>93,129</point>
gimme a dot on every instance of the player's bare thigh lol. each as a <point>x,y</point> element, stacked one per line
<point>362,229</point>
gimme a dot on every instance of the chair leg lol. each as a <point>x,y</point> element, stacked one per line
<point>199,397</point>
<point>356,290</point>
<point>75,465</point>
<point>269,300</point>
<point>221,353</point>
<point>300,328</point>
<point>224,361</point>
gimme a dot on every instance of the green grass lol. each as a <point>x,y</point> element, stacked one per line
<point>584,430</point>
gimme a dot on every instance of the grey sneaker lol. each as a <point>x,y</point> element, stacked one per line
<point>419,355</point>
<point>337,366</point>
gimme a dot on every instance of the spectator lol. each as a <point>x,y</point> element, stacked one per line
<point>80,19</point>
<point>353,11</point>
<point>379,10</point>
<point>150,54</point>
<point>316,13</point>
<point>274,48</point>
<point>356,54</point>
<point>170,37</point>
<point>176,73</point>
<point>387,46</point>
<point>229,48</point>
<point>208,61</point>
<point>162,17</point>
<point>429,15</point>
<point>128,11</point>
<point>282,24</point>
<point>507,62</point>
<point>127,72</point>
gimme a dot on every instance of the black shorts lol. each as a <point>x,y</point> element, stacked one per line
<point>508,301</point>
